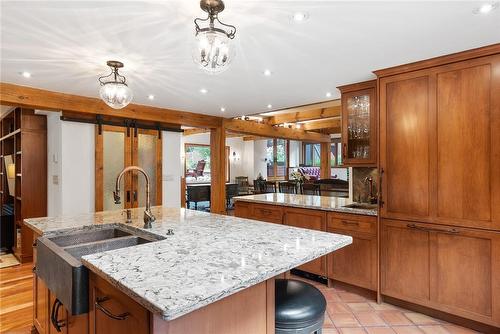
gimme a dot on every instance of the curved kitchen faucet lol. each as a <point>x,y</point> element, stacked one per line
<point>148,215</point>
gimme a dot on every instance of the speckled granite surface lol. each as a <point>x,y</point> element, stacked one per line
<point>208,258</point>
<point>307,202</point>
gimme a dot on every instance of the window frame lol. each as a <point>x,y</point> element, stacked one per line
<point>228,165</point>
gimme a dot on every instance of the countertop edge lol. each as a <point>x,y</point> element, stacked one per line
<point>363,212</point>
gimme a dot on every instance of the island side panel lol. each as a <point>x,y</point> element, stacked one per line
<point>250,311</point>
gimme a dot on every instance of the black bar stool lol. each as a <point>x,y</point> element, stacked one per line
<point>300,308</point>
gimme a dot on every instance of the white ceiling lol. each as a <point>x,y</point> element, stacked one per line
<point>65,45</point>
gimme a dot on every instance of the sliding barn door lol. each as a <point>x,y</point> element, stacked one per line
<point>119,147</point>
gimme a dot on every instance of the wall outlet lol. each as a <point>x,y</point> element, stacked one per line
<point>55,179</point>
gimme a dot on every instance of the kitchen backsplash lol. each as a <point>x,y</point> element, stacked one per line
<point>360,186</point>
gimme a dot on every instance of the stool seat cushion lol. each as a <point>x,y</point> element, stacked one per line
<point>298,304</point>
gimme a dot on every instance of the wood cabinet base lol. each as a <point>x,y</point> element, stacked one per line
<point>478,326</point>
<point>250,311</point>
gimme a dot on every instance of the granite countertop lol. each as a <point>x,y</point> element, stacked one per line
<point>209,257</point>
<point>326,203</point>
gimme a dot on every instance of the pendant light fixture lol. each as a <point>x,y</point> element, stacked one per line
<point>114,90</point>
<point>213,50</point>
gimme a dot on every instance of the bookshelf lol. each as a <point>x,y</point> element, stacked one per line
<point>23,182</point>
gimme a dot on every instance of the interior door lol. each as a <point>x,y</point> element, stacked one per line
<point>146,153</point>
<point>116,148</point>
<point>113,152</point>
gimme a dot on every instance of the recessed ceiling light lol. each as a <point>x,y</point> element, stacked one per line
<point>328,94</point>
<point>267,73</point>
<point>269,106</point>
<point>203,91</point>
<point>151,97</point>
<point>222,109</point>
<point>300,16</point>
<point>26,74</point>
<point>486,8</point>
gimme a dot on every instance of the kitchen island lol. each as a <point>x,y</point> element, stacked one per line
<point>356,264</point>
<point>208,273</point>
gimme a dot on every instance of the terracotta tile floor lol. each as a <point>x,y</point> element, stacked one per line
<point>351,313</point>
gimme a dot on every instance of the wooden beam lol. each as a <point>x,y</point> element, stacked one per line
<point>190,132</point>
<point>269,131</point>
<point>218,170</point>
<point>23,96</point>
<point>322,124</point>
<point>325,161</point>
<point>306,113</point>
<point>250,138</point>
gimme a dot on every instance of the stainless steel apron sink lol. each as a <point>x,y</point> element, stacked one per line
<point>59,266</point>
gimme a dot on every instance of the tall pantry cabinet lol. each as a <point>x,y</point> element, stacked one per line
<point>440,201</point>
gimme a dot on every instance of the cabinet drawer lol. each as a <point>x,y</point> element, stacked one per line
<point>243,210</point>
<point>111,311</point>
<point>268,213</point>
<point>356,223</point>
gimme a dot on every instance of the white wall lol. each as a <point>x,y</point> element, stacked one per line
<point>259,162</point>
<point>54,149</point>
<point>172,166</point>
<point>70,167</point>
<point>294,153</point>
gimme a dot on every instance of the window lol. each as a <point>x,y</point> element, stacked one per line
<point>312,154</point>
<point>277,158</point>
<point>197,163</point>
<point>336,151</point>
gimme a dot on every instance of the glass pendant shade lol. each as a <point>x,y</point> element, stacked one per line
<point>213,51</point>
<point>116,95</point>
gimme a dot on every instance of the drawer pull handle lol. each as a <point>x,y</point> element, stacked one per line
<point>266,212</point>
<point>98,305</point>
<point>430,229</point>
<point>53,316</point>
<point>346,222</point>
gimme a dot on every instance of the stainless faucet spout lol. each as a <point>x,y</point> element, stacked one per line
<point>148,215</point>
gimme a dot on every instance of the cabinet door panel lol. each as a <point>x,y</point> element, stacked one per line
<point>243,210</point>
<point>268,213</point>
<point>405,141</point>
<point>312,220</point>
<point>464,271</point>
<point>356,263</point>
<point>405,261</point>
<point>464,145</point>
<point>40,305</point>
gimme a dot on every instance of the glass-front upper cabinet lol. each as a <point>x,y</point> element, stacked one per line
<point>359,124</point>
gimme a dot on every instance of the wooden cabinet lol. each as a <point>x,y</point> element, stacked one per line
<point>356,263</point>
<point>359,124</point>
<point>263,212</point>
<point>310,219</point>
<point>405,261</point>
<point>40,305</point>
<point>112,312</point>
<point>23,174</point>
<point>439,129</point>
<point>454,270</point>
